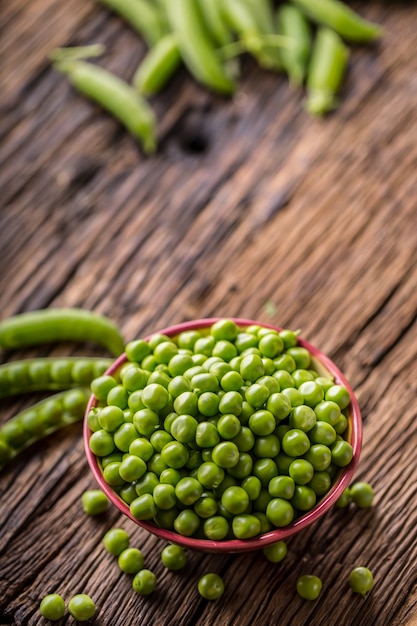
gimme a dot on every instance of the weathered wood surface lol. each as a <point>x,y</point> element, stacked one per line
<point>248,202</point>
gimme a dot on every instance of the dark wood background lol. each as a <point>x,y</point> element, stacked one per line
<point>250,208</point>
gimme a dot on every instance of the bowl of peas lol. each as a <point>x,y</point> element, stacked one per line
<point>223,434</point>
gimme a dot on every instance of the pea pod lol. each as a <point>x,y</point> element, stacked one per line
<point>341,18</point>
<point>326,72</point>
<point>216,25</point>
<point>243,21</point>
<point>293,23</point>
<point>115,96</point>
<point>197,49</point>
<point>145,17</point>
<point>40,420</point>
<point>49,374</point>
<point>158,66</point>
<point>60,324</point>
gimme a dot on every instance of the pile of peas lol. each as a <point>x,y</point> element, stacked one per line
<point>220,433</point>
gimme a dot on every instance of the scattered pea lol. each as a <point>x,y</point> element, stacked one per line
<point>94,502</point>
<point>361,580</point>
<point>116,540</point>
<point>52,607</point>
<point>81,607</point>
<point>309,586</point>
<point>211,586</point>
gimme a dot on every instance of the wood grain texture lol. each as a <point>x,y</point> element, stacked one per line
<point>248,203</point>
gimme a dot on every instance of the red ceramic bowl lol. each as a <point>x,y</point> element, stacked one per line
<point>354,435</point>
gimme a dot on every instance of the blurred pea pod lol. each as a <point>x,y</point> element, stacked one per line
<point>242,19</point>
<point>341,18</point>
<point>294,24</point>
<point>216,25</point>
<point>326,72</point>
<point>144,17</point>
<point>115,96</point>
<point>198,51</point>
<point>158,66</point>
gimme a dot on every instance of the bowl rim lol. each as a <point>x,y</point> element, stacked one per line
<point>276,534</point>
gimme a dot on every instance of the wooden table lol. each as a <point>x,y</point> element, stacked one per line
<point>250,208</point>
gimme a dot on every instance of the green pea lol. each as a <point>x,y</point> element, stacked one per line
<point>244,440</point>
<point>343,500</point>
<point>187,339</point>
<point>187,523</point>
<point>210,475</point>
<point>279,406</point>
<point>235,500</point>
<point>143,507</point>
<point>132,467</point>
<point>309,586</point>
<point>208,404</point>
<point>320,483</point>
<point>319,456</point>
<point>52,607</point>
<point>225,454</point>
<point>251,367</point>
<point>285,362</point>
<point>164,496</point>
<point>101,443</point>
<point>211,586</point>
<point>361,580</point>
<point>184,428</point>
<point>295,442</point>
<point>257,395</point>
<point>94,502</point>
<point>246,526</point>
<point>116,540</point>
<point>206,435</point>
<point>322,433</point>
<point>301,471</point>
<point>265,469</point>
<point>174,557</point>
<point>304,498</point>
<point>131,560</point>
<point>225,329</point>
<point>276,552</point>
<point>142,448</point>
<point>231,402</point>
<point>327,411</point>
<point>110,418</point>
<point>146,421</point>
<point>225,350</point>
<point>301,376</point>
<point>280,512</point>
<point>216,528</point>
<point>170,476</point>
<point>342,453</point>
<point>338,394</point>
<point>301,356</point>
<point>188,490</point>
<point>362,494</point>
<point>146,484</point>
<point>206,507</point>
<point>281,487</point>
<point>81,607</point>
<point>124,436</point>
<point>228,426</point>
<point>144,582</point>
<point>159,439</point>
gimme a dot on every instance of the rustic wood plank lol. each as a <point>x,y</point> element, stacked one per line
<point>248,205</point>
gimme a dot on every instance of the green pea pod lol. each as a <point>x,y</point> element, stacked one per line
<point>197,49</point>
<point>293,23</point>
<point>40,420</point>
<point>326,72</point>
<point>115,96</point>
<point>158,66</point>
<point>341,18</point>
<point>144,17</point>
<point>264,15</point>
<point>241,18</point>
<point>49,374</point>
<point>52,325</point>
<point>216,25</point>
